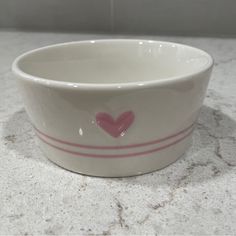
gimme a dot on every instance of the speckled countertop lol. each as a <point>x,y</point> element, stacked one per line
<point>196,195</point>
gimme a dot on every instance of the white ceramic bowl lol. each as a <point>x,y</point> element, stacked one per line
<point>113,107</point>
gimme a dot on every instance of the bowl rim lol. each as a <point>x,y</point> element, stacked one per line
<point>109,86</point>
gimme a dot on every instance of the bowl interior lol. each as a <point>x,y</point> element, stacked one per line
<point>113,61</point>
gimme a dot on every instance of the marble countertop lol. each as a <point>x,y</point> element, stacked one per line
<point>196,195</point>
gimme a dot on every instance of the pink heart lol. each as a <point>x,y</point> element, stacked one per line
<point>115,127</point>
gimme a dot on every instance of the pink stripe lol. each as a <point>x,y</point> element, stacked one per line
<point>115,147</point>
<point>117,155</point>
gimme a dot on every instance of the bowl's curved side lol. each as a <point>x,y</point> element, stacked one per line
<point>115,132</point>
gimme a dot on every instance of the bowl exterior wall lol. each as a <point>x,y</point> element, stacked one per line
<point>119,132</point>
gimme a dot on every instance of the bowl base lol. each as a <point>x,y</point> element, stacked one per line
<point>116,167</point>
